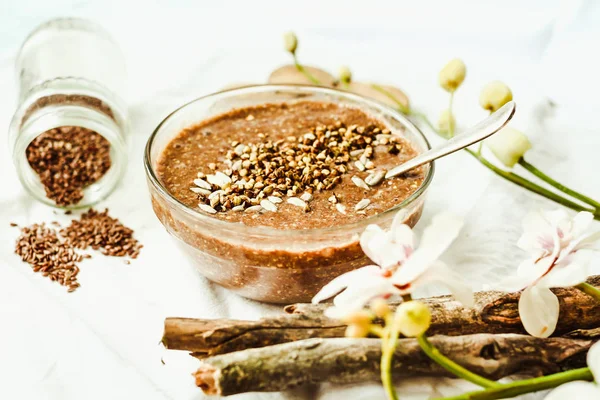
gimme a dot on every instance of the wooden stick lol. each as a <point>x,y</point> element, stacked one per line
<point>344,360</point>
<point>494,312</point>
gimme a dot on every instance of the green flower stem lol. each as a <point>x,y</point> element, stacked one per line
<point>558,185</point>
<point>589,290</point>
<point>401,107</point>
<point>453,367</point>
<point>450,115</point>
<point>427,122</point>
<point>377,331</point>
<point>519,180</point>
<point>388,347</point>
<point>308,75</point>
<point>517,388</point>
<point>510,176</point>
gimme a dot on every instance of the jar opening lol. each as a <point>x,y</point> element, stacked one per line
<point>69,156</point>
<point>67,160</point>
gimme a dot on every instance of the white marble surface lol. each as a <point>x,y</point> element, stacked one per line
<point>101,342</point>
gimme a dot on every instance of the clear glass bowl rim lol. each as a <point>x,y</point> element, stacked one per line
<point>235,227</point>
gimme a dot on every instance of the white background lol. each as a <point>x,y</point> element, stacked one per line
<point>101,342</point>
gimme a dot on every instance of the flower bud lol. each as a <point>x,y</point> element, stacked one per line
<point>446,123</point>
<point>345,75</point>
<point>291,42</point>
<point>508,145</point>
<point>380,307</point>
<point>452,75</point>
<point>494,95</point>
<point>412,318</point>
<point>361,317</point>
<point>357,331</point>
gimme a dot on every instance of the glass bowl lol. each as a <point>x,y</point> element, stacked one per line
<point>263,263</point>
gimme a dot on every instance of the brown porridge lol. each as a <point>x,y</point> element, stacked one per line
<point>293,166</point>
<point>274,131</point>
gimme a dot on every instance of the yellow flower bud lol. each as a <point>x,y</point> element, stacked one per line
<point>361,317</point>
<point>446,123</point>
<point>380,307</point>
<point>412,318</point>
<point>452,75</point>
<point>357,331</point>
<point>494,95</point>
<point>345,75</point>
<point>508,145</point>
<point>291,42</point>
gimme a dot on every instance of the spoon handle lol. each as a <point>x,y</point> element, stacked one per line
<point>482,130</point>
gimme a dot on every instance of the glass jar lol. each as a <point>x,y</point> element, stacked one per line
<point>262,263</point>
<point>71,74</point>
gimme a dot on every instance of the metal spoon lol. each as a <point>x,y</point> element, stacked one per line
<point>482,130</point>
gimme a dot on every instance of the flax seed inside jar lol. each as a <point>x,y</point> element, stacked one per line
<point>268,188</point>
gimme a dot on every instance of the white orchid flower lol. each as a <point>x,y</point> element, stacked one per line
<point>554,240</point>
<point>580,389</point>
<point>401,266</point>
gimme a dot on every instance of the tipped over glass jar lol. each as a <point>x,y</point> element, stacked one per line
<point>68,134</point>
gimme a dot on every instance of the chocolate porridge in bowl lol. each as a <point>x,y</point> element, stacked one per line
<point>268,188</point>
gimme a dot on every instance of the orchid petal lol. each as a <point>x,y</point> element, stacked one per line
<point>513,283</point>
<point>337,312</point>
<point>586,242</point>
<point>373,242</point>
<point>557,217</point>
<point>581,222</point>
<point>534,227</point>
<point>399,220</point>
<point>437,237</point>
<point>404,236</point>
<point>343,281</point>
<point>528,272</point>
<point>441,273</point>
<point>541,231</point>
<point>593,362</point>
<point>356,296</point>
<point>539,308</point>
<point>575,390</point>
<point>569,272</point>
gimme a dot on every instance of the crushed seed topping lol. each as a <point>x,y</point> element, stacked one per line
<point>295,201</point>
<point>375,178</point>
<point>267,205</point>
<point>306,196</point>
<point>341,208</point>
<point>274,200</point>
<point>201,183</point>
<point>256,173</point>
<point>360,183</point>
<point>361,205</point>
<point>198,190</point>
<point>207,208</point>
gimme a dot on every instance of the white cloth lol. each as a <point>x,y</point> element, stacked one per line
<point>101,342</point>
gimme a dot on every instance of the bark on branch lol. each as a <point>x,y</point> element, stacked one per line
<point>494,313</point>
<point>343,360</point>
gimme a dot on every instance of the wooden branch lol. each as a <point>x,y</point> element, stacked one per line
<point>344,360</point>
<point>494,312</point>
